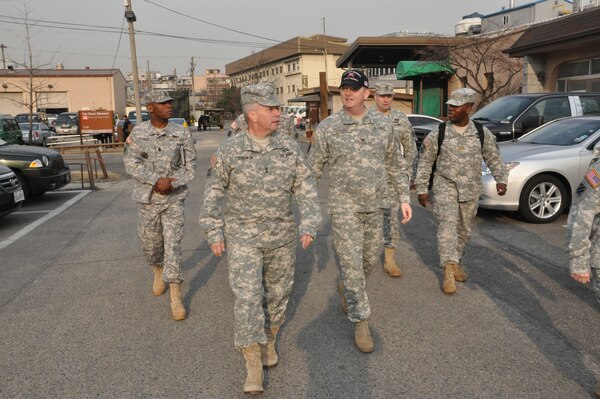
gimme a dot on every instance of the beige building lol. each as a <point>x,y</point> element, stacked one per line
<point>208,87</point>
<point>291,66</point>
<point>62,90</point>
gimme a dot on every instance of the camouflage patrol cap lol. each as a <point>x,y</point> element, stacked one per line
<point>156,96</point>
<point>261,93</point>
<point>462,96</point>
<point>384,89</point>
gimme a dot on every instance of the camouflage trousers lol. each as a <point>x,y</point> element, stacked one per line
<point>583,237</point>
<point>261,281</point>
<point>358,242</point>
<point>160,227</point>
<point>391,229</point>
<point>455,220</point>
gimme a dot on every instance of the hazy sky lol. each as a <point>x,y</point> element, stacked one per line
<point>211,36</point>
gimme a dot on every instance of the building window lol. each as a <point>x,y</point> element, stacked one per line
<point>280,69</point>
<point>281,90</point>
<point>583,75</point>
<point>294,89</point>
<point>505,19</point>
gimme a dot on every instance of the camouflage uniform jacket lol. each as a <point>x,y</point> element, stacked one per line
<point>287,125</point>
<point>155,153</point>
<point>406,138</point>
<point>584,216</point>
<point>241,125</point>
<point>363,157</point>
<point>259,184</point>
<point>460,160</point>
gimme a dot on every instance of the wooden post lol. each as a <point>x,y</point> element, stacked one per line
<point>88,162</point>
<point>324,96</point>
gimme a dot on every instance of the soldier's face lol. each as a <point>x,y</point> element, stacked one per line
<point>384,103</point>
<point>459,115</point>
<point>265,120</point>
<point>354,99</point>
<point>161,111</point>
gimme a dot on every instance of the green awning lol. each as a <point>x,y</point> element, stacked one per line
<point>409,69</point>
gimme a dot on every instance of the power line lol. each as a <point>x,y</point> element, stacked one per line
<point>118,44</point>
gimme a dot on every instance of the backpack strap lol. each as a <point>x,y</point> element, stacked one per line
<point>479,128</point>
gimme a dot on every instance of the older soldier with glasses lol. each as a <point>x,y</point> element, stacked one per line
<point>161,158</point>
<point>363,156</point>
<point>259,171</point>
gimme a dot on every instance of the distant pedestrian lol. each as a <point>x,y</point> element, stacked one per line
<point>126,127</point>
<point>258,174</point>
<point>405,137</point>
<point>457,148</point>
<point>363,157</point>
<point>160,156</point>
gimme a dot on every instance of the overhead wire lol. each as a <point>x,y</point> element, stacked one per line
<point>118,44</point>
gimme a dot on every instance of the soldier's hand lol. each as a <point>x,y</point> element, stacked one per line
<point>163,185</point>
<point>306,240</point>
<point>581,277</point>
<point>423,199</point>
<point>218,248</point>
<point>501,189</point>
<point>406,213</point>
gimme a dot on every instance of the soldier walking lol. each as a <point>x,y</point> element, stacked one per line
<point>363,156</point>
<point>405,137</point>
<point>458,153</point>
<point>259,171</point>
<point>161,158</point>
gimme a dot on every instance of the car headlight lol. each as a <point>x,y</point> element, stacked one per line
<point>39,163</point>
<point>509,165</point>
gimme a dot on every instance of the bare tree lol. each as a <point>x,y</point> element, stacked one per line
<point>480,63</point>
<point>32,85</point>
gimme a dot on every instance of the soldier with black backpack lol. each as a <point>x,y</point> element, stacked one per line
<point>452,157</point>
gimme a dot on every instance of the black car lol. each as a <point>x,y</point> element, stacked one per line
<point>11,193</point>
<point>38,169</point>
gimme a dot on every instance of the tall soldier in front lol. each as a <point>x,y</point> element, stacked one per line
<point>457,148</point>
<point>363,157</point>
<point>161,158</point>
<point>259,171</point>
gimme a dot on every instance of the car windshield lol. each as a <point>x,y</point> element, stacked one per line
<point>564,132</point>
<point>25,126</point>
<point>66,118</point>
<point>145,115</point>
<point>503,109</point>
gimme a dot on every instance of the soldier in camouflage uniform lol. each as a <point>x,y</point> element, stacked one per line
<point>405,137</point>
<point>161,158</point>
<point>583,231</point>
<point>287,126</point>
<point>259,171</point>
<point>457,181</point>
<point>238,125</point>
<point>363,156</point>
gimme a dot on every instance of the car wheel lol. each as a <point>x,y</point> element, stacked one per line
<point>44,142</point>
<point>543,199</point>
<point>24,185</point>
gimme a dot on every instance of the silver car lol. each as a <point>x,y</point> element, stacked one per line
<point>39,131</point>
<point>546,167</point>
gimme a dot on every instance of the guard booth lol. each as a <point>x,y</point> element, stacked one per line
<point>430,85</point>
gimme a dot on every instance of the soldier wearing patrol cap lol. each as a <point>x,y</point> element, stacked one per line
<point>363,156</point>
<point>405,137</point>
<point>259,172</point>
<point>457,180</point>
<point>161,158</point>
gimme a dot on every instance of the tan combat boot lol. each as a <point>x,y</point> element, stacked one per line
<point>449,284</point>
<point>158,286</point>
<point>389,264</point>
<point>254,369</point>
<point>459,273</point>
<point>344,303</point>
<point>362,337</point>
<point>177,309</point>
<point>268,352</point>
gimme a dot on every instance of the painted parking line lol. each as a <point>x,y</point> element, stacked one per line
<point>30,227</point>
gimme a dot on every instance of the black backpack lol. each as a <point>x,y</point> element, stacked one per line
<point>440,140</point>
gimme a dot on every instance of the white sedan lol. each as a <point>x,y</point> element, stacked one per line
<point>546,168</point>
<point>40,132</point>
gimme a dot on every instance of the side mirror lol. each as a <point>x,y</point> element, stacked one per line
<point>530,122</point>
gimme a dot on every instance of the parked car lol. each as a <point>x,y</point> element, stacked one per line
<point>38,169</point>
<point>52,119</point>
<point>422,125</point>
<point>546,167</point>
<point>11,193</point>
<point>67,123</point>
<point>10,130</point>
<point>179,121</point>
<point>35,117</point>
<point>510,117</point>
<point>133,116</point>
<point>40,132</point>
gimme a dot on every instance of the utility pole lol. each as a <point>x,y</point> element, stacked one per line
<point>130,17</point>
<point>325,52</point>
<point>192,68</point>
<point>2,46</point>
<point>148,76</point>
